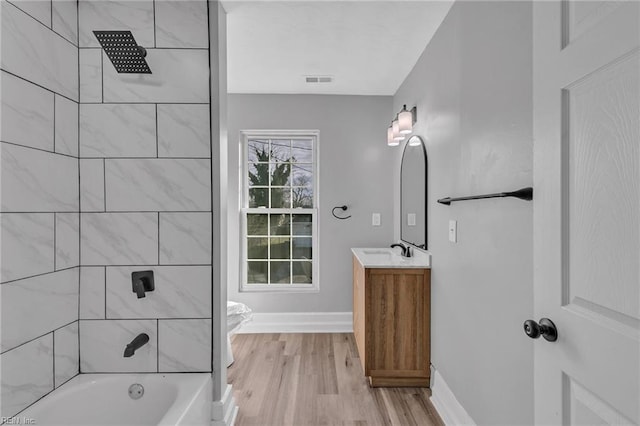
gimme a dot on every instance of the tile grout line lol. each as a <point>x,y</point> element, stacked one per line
<point>157,345</point>
<point>145,319</point>
<point>144,372</point>
<point>154,24</point>
<point>42,23</point>
<point>54,123</point>
<point>105,291</point>
<point>111,211</point>
<point>79,188</point>
<point>101,76</point>
<point>158,238</point>
<point>146,158</point>
<point>66,381</point>
<point>53,350</point>
<point>104,183</point>
<point>37,337</point>
<point>201,49</point>
<point>211,183</point>
<point>37,149</point>
<point>130,265</point>
<point>36,84</point>
<point>36,275</point>
<point>55,241</point>
<point>129,102</point>
<point>169,265</point>
<point>157,135</point>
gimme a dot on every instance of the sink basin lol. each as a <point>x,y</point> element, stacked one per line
<point>383,252</point>
<point>386,257</point>
<point>382,256</point>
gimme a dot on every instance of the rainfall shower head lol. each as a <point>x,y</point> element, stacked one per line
<point>123,51</point>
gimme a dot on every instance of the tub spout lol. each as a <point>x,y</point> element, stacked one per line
<point>140,340</point>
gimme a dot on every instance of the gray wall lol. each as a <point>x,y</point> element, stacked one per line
<point>473,90</point>
<point>355,169</point>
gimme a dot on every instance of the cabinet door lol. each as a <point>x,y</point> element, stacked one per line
<point>398,323</point>
<point>358,309</point>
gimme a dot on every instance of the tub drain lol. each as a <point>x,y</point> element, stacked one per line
<point>136,391</point>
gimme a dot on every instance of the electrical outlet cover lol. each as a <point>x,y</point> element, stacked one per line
<point>453,231</point>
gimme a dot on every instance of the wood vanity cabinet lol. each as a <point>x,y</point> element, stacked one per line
<point>391,324</point>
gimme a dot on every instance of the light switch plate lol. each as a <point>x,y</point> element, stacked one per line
<point>411,219</point>
<point>453,231</point>
<point>375,219</point>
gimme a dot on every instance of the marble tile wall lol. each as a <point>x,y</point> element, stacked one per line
<point>26,374</point>
<point>35,51</point>
<point>145,194</point>
<point>39,203</point>
<point>102,174</point>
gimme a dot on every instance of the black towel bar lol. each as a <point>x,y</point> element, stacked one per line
<point>523,194</point>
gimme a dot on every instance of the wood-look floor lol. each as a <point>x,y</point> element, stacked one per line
<point>316,379</point>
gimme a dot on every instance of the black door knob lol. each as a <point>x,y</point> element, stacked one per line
<point>546,328</point>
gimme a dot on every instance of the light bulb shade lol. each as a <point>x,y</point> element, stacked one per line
<point>396,131</point>
<point>405,121</point>
<point>414,141</point>
<point>390,140</point>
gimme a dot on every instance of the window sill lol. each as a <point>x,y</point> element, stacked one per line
<point>279,288</point>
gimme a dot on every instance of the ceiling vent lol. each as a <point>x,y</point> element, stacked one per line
<point>318,78</point>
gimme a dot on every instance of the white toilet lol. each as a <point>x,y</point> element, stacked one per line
<point>237,314</point>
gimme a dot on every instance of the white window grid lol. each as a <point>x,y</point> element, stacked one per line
<point>292,286</point>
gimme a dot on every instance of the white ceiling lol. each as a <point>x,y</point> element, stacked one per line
<point>368,47</point>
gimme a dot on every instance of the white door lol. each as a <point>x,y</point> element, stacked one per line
<point>586,210</point>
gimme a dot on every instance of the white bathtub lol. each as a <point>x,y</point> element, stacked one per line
<point>103,399</point>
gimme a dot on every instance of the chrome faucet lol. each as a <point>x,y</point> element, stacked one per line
<point>406,250</point>
<point>140,340</point>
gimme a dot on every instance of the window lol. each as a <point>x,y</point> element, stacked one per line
<point>280,200</point>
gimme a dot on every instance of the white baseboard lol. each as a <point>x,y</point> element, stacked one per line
<point>299,322</point>
<point>448,407</point>
<point>224,412</point>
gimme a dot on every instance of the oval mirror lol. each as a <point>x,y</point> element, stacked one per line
<point>413,193</point>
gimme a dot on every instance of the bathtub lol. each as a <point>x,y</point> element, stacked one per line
<point>103,399</point>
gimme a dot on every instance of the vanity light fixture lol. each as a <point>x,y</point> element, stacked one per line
<point>405,121</point>
<point>390,140</point>
<point>394,137</point>
<point>401,126</point>
<point>397,136</point>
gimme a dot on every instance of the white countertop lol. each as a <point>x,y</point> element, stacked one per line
<point>389,258</point>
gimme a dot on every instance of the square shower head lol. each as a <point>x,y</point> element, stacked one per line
<point>123,51</point>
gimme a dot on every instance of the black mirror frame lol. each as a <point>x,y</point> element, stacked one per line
<point>426,191</point>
